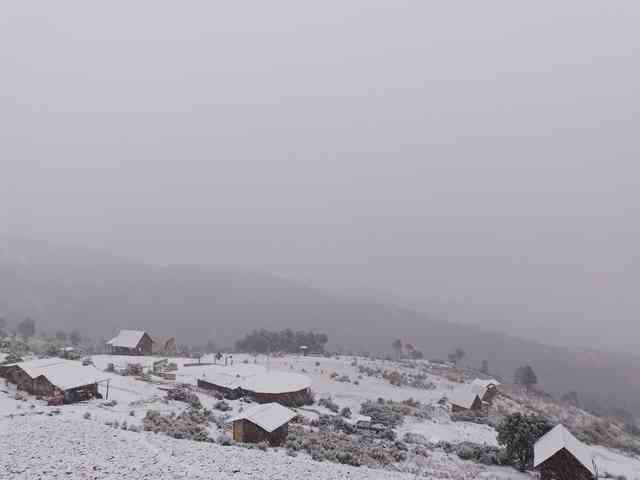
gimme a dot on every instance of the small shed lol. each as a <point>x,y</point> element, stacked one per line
<point>268,422</point>
<point>559,455</point>
<point>285,388</point>
<point>131,342</point>
<point>486,389</point>
<point>464,399</point>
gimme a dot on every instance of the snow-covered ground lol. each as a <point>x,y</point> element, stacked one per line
<point>35,443</point>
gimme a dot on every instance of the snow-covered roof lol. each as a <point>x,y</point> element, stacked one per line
<point>222,380</point>
<point>64,374</point>
<point>464,397</point>
<point>33,367</point>
<point>557,439</point>
<point>276,382</point>
<point>485,383</point>
<point>268,416</point>
<point>481,386</point>
<point>127,339</point>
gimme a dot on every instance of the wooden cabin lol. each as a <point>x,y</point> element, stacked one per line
<point>263,423</point>
<point>55,377</point>
<point>130,342</point>
<point>559,455</point>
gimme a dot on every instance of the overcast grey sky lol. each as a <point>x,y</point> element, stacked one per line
<point>477,154</point>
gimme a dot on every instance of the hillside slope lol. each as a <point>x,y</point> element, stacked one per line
<point>64,287</point>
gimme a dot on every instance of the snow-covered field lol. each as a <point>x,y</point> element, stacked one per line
<point>36,443</point>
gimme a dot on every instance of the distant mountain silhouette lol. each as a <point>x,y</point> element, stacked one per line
<point>66,287</point>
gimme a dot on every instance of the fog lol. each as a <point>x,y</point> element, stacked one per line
<point>477,161</point>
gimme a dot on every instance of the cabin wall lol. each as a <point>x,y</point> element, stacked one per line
<point>224,391</point>
<point>564,466</point>
<point>39,386</point>
<point>247,432</point>
<point>145,345</point>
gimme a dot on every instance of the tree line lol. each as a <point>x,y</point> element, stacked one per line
<point>266,341</point>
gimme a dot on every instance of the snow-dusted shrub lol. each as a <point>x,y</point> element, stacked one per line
<point>484,454</point>
<point>12,357</point>
<point>388,414</point>
<point>222,406</point>
<point>345,412</point>
<point>328,422</point>
<point>181,393</point>
<point>329,404</point>
<point>519,433</point>
<point>190,424</point>
<point>224,440</point>
<point>87,416</point>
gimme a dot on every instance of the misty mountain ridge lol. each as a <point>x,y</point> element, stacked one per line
<point>68,287</point>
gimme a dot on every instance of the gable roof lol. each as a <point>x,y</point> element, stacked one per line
<point>482,386</point>
<point>33,367</point>
<point>64,374</point>
<point>127,338</point>
<point>269,416</point>
<point>557,439</point>
<point>464,397</point>
<point>67,375</point>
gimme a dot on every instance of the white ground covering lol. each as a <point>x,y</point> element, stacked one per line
<point>35,445</point>
<point>52,448</point>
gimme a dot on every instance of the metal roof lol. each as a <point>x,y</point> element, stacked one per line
<point>557,439</point>
<point>269,416</point>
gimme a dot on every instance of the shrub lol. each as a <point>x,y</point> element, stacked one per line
<point>190,424</point>
<point>222,406</point>
<point>329,404</point>
<point>389,415</point>
<point>519,433</point>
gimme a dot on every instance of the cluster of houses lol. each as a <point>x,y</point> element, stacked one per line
<point>557,455</point>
